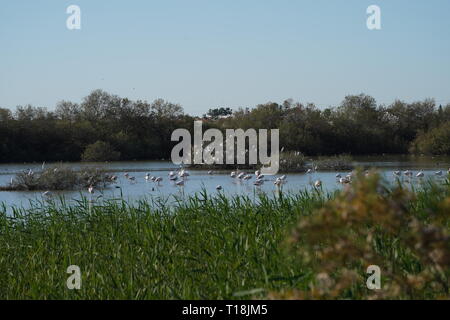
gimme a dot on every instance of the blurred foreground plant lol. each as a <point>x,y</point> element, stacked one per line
<point>370,223</point>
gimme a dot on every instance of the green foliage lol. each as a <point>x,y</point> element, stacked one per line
<point>201,248</point>
<point>434,142</point>
<point>100,151</point>
<point>406,234</point>
<point>142,131</point>
<point>218,112</point>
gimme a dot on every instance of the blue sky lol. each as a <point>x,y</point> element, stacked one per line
<point>209,53</point>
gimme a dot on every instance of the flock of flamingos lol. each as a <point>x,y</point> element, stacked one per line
<point>179,178</point>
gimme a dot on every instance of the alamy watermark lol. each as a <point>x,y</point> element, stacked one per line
<point>73,22</point>
<point>235,145</point>
<point>374,19</point>
<point>374,280</point>
<point>74,280</point>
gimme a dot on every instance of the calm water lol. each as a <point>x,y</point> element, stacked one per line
<point>200,179</point>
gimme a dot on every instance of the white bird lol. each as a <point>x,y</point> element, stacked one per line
<point>91,189</point>
<point>158,180</point>
<point>258,183</point>
<point>248,177</point>
<point>338,176</point>
<point>318,184</point>
<point>420,175</point>
<point>233,174</point>
<point>210,172</point>
<point>439,173</point>
<point>147,177</point>
<point>309,171</point>
<point>219,187</point>
<point>47,194</point>
<point>241,175</point>
<point>344,180</point>
<point>173,178</point>
<point>278,182</point>
<point>257,173</point>
<point>260,177</point>
<point>180,183</point>
<point>408,173</point>
<point>283,178</point>
<point>126,175</point>
<point>397,173</point>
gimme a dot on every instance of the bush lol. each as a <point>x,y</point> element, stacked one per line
<point>433,142</point>
<point>100,151</point>
<point>58,178</point>
<point>404,233</point>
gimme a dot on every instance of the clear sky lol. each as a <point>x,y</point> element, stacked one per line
<point>211,53</point>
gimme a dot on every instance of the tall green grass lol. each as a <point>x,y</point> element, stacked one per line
<point>201,247</point>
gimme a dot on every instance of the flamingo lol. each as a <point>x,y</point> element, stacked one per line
<point>47,194</point>
<point>258,183</point>
<point>180,183</point>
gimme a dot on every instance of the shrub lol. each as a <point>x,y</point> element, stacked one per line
<point>100,151</point>
<point>434,142</point>
<point>339,163</point>
<point>371,224</point>
<point>58,178</point>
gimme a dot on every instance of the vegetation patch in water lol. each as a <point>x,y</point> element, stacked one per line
<point>58,178</point>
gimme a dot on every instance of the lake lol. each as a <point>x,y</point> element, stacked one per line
<point>199,179</point>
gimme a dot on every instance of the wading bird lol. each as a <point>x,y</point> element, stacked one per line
<point>180,183</point>
<point>47,194</point>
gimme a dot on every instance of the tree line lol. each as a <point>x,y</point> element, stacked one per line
<point>108,127</point>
